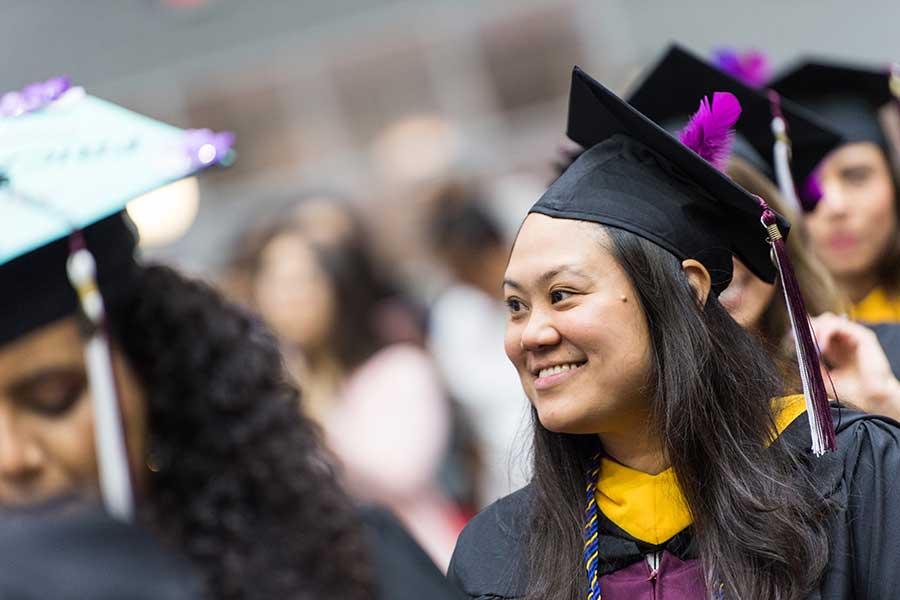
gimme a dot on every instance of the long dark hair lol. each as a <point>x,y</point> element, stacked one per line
<point>240,482</point>
<point>758,522</point>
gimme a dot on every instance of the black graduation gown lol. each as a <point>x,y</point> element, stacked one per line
<point>86,554</point>
<point>862,477</point>
<point>403,570</point>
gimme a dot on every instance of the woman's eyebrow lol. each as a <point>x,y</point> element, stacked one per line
<point>25,383</point>
<point>548,276</point>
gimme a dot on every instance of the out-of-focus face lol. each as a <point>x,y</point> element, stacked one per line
<point>855,220</point>
<point>576,332</point>
<point>293,294</point>
<point>46,422</point>
<point>746,297</point>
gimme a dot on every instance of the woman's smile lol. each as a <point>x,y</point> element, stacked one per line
<point>551,375</point>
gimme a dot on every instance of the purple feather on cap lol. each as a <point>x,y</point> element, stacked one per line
<point>206,147</point>
<point>751,67</point>
<point>812,190</point>
<point>709,133</point>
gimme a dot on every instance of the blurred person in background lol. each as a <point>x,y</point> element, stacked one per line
<point>466,328</point>
<point>857,364</point>
<point>380,402</point>
<point>853,225</point>
<point>859,369</point>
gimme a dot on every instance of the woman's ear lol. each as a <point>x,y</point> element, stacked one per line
<point>699,278</point>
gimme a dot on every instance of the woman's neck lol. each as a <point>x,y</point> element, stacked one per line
<point>857,287</point>
<point>640,450</point>
<point>319,376</point>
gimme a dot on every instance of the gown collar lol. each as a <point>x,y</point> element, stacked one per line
<point>651,508</point>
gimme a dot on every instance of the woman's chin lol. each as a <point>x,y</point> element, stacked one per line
<point>559,421</point>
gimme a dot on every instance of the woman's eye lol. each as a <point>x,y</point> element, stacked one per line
<point>857,176</point>
<point>55,398</point>
<point>514,305</point>
<point>559,296</point>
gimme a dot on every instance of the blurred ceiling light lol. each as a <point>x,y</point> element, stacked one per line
<point>416,149</point>
<point>165,214</point>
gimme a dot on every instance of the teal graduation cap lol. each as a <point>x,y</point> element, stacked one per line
<point>69,164</point>
<point>79,159</point>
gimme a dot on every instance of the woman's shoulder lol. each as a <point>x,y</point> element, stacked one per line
<point>865,443</point>
<point>869,443</point>
<point>489,560</point>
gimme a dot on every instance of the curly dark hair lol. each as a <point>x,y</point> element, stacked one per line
<point>241,482</point>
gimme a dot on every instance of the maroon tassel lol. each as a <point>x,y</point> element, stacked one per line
<point>818,410</point>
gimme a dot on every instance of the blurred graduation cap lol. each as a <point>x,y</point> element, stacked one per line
<point>847,97</point>
<point>69,163</point>
<point>635,176</point>
<point>671,90</point>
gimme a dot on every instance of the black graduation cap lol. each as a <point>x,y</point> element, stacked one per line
<point>670,92</point>
<point>635,176</point>
<point>37,289</point>
<point>846,96</point>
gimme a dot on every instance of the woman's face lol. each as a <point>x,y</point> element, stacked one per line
<point>293,294</point>
<point>746,297</point>
<point>46,423</point>
<point>576,332</point>
<point>855,220</point>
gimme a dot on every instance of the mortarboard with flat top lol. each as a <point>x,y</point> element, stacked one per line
<point>845,96</point>
<point>73,164</point>
<point>637,176</point>
<point>672,88</point>
<point>69,164</point>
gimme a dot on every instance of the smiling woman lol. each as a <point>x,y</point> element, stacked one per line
<point>562,281</point>
<point>666,462</point>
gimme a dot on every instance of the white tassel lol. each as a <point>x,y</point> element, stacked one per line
<point>112,457</point>
<point>782,152</point>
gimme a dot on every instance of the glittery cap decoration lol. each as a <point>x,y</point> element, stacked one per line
<point>206,147</point>
<point>35,96</point>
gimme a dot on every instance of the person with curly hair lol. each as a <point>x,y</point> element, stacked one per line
<point>218,461</point>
